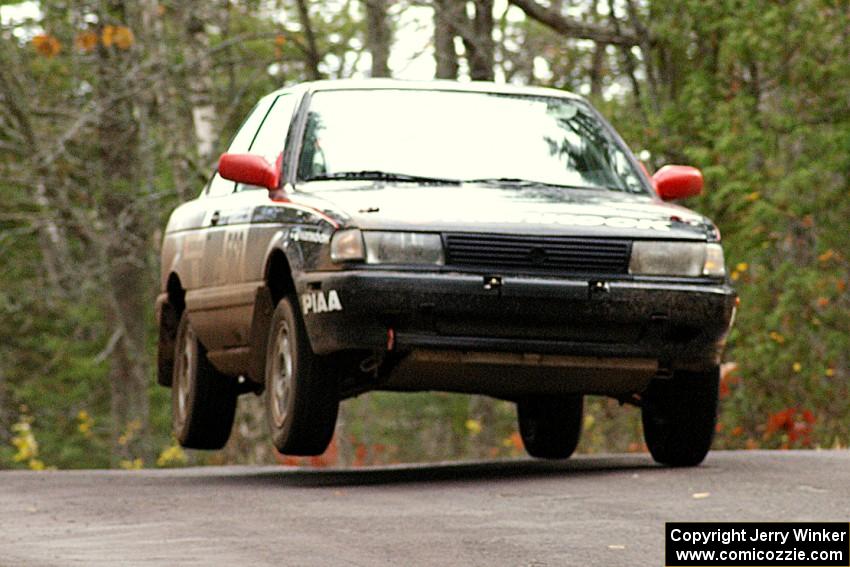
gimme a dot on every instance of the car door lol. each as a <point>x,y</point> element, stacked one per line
<point>247,242</point>
<point>210,301</point>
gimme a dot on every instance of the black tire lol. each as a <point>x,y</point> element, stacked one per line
<point>679,417</point>
<point>302,394</point>
<point>550,427</point>
<point>203,400</point>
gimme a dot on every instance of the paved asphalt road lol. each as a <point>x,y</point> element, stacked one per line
<point>591,510</point>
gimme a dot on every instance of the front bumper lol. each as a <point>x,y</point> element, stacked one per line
<point>679,324</point>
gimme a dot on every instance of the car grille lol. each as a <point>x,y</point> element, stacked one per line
<point>552,253</point>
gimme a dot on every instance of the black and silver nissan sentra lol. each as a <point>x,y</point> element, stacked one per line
<point>479,238</point>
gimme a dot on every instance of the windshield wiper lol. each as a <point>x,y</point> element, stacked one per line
<point>378,175</point>
<point>518,182</point>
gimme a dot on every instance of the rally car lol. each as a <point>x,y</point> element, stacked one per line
<point>477,238</point>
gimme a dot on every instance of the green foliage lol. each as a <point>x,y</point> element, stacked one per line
<point>759,101</point>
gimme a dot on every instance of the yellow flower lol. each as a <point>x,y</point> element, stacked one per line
<point>473,426</point>
<point>742,266</point>
<point>776,337</point>
<point>24,441</point>
<point>797,366</point>
<point>86,423</point>
<point>131,465</point>
<point>173,455</point>
<point>830,372</point>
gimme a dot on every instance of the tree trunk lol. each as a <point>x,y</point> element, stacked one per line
<point>597,69</point>
<point>312,51</point>
<point>446,15</point>
<point>199,78</point>
<point>480,47</point>
<point>122,248</point>
<point>378,36</point>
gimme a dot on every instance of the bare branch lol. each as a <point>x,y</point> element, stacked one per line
<point>574,28</point>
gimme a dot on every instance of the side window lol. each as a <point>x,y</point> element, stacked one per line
<point>240,144</point>
<point>271,137</point>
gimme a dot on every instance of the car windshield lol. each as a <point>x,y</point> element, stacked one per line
<point>451,137</point>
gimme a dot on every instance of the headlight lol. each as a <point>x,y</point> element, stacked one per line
<point>347,245</point>
<point>715,264</point>
<point>659,258</point>
<point>403,248</point>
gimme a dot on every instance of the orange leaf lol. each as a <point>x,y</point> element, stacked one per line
<point>107,35</point>
<point>827,256</point>
<point>516,440</point>
<point>86,41</point>
<point>46,45</point>
<point>123,37</point>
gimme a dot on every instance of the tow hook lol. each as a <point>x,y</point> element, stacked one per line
<point>598,289</point>
<point>492,282</point>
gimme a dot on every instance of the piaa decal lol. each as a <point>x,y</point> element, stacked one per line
<point>317,302</point>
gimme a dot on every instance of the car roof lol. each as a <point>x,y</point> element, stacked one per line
<point>442,85</point>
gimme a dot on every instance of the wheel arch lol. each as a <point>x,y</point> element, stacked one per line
<point>278,281</point>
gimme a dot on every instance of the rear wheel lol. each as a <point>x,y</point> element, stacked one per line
<point>679,417</point>
<point>302,396</point>
<point>550,427</point>
<point>203,400</point>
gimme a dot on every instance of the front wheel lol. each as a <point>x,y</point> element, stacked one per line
<point>550,427</point>
<point>679,417</point>
<point>203,400</point>
<point>302,396</point>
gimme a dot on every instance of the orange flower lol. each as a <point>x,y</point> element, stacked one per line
<point>46,45</point>
<point>737,431</point>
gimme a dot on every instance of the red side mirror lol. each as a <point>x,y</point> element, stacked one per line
<point>677,182</point>
<point>249,169</point>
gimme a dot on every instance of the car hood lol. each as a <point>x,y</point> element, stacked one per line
<point>506,209</point>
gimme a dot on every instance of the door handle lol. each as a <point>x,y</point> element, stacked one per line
<point>214,218</point>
